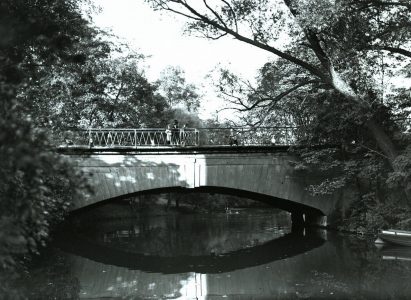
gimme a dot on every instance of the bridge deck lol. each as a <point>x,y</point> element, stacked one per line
<point>182,150</point>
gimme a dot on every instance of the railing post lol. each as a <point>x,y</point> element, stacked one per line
<point>135,138</point>
<point>242,136</point>
<point>286,137</point>
<point>196,137</point>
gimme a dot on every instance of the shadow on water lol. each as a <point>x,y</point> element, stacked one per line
<point>289,245</point>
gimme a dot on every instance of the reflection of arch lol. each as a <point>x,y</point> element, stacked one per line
<point>284,247</point>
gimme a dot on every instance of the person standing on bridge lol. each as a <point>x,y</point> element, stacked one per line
<point>232,139</point>
<point>168,134</point>
<point>175,132</point>
<point>183,135</point>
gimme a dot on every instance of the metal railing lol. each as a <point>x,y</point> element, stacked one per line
<point>139,137</point>
<point>248,136</point>
<point>157,137</point>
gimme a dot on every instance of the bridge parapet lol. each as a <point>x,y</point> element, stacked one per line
<point>157,137</point>
<point>132,137</point>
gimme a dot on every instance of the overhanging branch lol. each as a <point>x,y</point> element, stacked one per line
<point>279,96</point>
<point>195,15</point>
<point>394,50</point>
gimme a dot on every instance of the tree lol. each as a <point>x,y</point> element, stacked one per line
<point>351,159</point>
<point>35,184</point>
<point>344,40</point>
<point>56,95</point>
<point>172,84</point>
<point>102,92</point>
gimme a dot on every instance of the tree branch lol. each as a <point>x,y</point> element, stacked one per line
<point>198,16</point>
<point>377,3</point>
<point>215,14</point>
<point>234,15</point>
<point>214,37</point>
<point>393,50</point>
<point>280,96</point>
<point>167,8</point>
<point>312,38</point>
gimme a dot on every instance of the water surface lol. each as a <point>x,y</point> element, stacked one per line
<point>247,254</point>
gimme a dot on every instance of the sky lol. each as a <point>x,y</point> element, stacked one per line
<point>160,36</point>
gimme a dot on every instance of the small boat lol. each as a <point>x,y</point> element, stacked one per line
<point>399,237</point>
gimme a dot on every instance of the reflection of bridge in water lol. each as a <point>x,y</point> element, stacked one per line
<point>283,247</point>
<point>123,163</point>
<point>339,269</point>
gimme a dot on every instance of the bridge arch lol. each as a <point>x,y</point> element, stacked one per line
<point>301,213</point>
<point>266,176</point>
<point>283,204</point>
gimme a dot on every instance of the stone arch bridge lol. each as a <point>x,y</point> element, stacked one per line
<point>263,173</point>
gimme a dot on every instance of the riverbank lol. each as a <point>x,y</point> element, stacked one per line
<point>369,217</point>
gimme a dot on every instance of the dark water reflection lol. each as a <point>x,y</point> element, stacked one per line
<point>250,255</point>
<point>178,234</point>
<point>192,242</point>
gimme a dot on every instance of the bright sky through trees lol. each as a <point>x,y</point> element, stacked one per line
<point>160,36</point>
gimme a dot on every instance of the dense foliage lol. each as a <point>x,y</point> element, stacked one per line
<point>57,72</point>
<point>100,92</point>
<point>340,71</point>
<point>173,85</point>
<point>35,185</point>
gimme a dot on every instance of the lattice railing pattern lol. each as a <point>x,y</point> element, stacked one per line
<point>153,137</point>
<point>138,137</point>
<point>249,136</point>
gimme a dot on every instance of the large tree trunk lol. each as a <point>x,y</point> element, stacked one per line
<point>388,148</point>
<point>383,140</point>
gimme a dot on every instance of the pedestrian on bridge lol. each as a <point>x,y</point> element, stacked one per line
<point>232,138</point>
<point>168,134</point>
<point>183,135</point>
<point>175,132</point>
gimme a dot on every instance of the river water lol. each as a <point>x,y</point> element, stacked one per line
<point>242,254</point>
